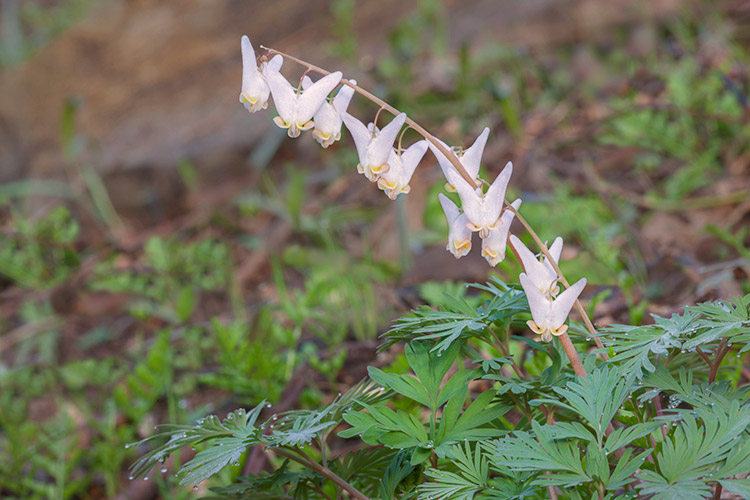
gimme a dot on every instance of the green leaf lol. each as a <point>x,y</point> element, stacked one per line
<point>596,398</point>
<point>186,301</point>
<point>739,487</point>
<point>226,441</point>
<point>405,385</point>
<point>521,452</point>
<point>470,477</point>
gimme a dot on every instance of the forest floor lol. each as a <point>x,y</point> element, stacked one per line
<point>136,297</point>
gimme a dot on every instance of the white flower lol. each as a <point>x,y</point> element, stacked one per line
<point>482,209</point>
<point>459,235</point>
<point>255,91</point>
<point>493,246</point>
<point>541,273</point>
<point>327,119</point>
<point>374,146</point>
<point>297,109</point>
<point>549,315</point>
<point>396,179</point>
<point>469,158</point>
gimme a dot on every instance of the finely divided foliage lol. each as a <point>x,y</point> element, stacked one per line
<point>483,412</point>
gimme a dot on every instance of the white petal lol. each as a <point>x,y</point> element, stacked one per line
<point>450,208</point>
<point>360,134</point>
<point>445,164</point>
<point>249,64</point>
<point>382,144</point>
<point>275,63</point>
<point>472,157</point>
<point>284,96</point>
<point>344,97</point>
<point>539,304</point>
<point>563,303</point>
<point>411,158</point>
<point>554,250</point>
<point>495,196</point>
<point>536,271</point>
<point>306,82</point>
<point>493,247</point>
<point>508,216</point>
<point>313,97</point>
<point>471,202</point>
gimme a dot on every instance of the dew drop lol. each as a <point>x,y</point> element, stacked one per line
<point>131,478</point>
<point>163,470</point>
<point>268,405</point>
<point>145,478</point>
<point>195,487</point>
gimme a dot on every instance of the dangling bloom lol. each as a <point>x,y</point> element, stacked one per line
<point>482,209</point>
<point>327,119</point>
<point>396,179</point>
<point>469,158</point>
<point>374,146</point>
<point>493,246</point>
<point>255,91</point>
<point>297,109</point>
<point>459,235</point>
<point>540,273</point>
<point>549,315</point>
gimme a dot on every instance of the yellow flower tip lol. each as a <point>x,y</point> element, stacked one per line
<point>459,248</point>
<point>322,138</point>
<point>306,126</point>
<point>493,258</point>
<point>406,189</point>
<point>360,168</point>
<point>386,185</point>
<point>535,328</point>
<point>559,331</point>
<point>449,187</point>
<point>280,122</point>
<point>381,169</point>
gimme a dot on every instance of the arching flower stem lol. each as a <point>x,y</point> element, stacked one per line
<point>567,344</point>
<point>384,105</point>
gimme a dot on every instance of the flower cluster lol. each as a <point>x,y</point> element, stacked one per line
<point>313,105</point>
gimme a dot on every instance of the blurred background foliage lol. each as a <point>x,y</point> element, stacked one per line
<point>145,295</point>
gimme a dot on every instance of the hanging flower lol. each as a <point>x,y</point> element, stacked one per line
<point>459,235</point>
<point>396,179</point>
<point>482,209</point>
<point>255,91</point>
<point>296,108</point>
<point>327,119</point>
<point>493,246</point>
<point>374,146</point>
<point>469,158</point>
<point>541,273</point>
<point>549,315</point>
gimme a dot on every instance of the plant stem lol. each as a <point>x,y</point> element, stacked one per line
<point>704,357</point>
<point>304,459</point>
<point>721,351</point>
